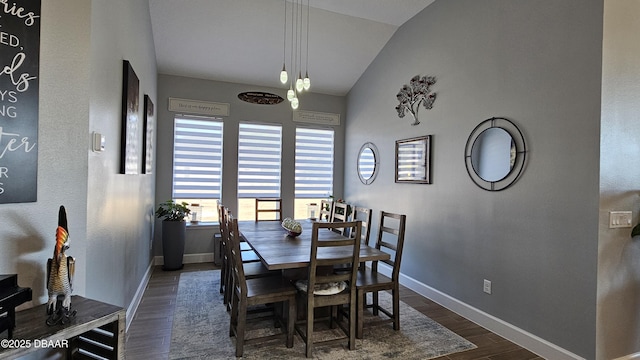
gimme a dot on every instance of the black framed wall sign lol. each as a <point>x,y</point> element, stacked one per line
<point>19,97</point>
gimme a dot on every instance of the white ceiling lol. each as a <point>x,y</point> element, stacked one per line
<point>242,41</point>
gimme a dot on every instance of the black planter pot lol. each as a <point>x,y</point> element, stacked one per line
<point>173,235</point>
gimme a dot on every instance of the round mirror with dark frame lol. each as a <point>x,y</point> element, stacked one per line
<point>495,154</point>
<point>367,165</point>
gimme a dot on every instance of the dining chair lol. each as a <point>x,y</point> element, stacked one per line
<point>271,205</point>
<point>326,208</point>
<point>390,239</point>
<point>249,257</point>
<point>225,261</point>
<point>258,291</point>
<point>326,288</point>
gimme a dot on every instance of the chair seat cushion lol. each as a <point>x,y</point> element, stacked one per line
<point>331,288</point>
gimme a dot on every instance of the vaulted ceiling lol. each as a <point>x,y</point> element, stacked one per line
<point>242,41</point>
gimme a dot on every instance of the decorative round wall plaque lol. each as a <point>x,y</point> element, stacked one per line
<point>262,98</point>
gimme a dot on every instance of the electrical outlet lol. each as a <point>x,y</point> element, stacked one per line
<point>487,286</point>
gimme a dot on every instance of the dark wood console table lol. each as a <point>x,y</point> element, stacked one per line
<point>95,323</point>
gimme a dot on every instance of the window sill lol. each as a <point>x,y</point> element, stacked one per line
<point>202,225</point>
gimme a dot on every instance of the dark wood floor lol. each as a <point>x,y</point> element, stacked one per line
<point>149,334</point>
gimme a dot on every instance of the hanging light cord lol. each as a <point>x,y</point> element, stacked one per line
<point>307,66</point>
<point>284,34</point>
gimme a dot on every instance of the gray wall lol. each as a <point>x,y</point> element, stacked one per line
<point>618,325</point>
<point>119,207</point>
<point>199,241</point>
<point>539,66</point>
<point>82,47</point>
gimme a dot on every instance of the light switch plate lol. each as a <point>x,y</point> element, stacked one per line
<point>620,219</point>
<point>99,142</point>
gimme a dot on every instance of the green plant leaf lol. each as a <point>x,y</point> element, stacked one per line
<point>172,211</point>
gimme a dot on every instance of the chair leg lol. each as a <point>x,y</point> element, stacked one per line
<point>309,339</point>
<point>333,315</point>
<point>223,275</point>
<point>291,321</point>
<point>352,324</point>
<point>361,303</point>
<point>375,303</point>
<point>242,322</point>
<point>396,308</point>
<point>233,321</point>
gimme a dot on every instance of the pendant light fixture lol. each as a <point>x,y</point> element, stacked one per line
<point>297,84</point>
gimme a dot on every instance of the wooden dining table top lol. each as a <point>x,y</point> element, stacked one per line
<point>279,251</point>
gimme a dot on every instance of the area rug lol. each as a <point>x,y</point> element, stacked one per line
<point>201,331</point>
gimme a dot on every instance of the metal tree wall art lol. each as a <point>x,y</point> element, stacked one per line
<point>417,92</point>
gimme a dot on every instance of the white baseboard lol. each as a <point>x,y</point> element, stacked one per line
<point>189,258</point>
<point>629,357</point>
<point>514,334</point>
<point>137,298</point>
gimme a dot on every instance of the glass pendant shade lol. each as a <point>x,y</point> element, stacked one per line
<point>294,103</point>
<point>306,82</point>
<point>283,75</point>
<point>299,83</point>
<point>290,94</point>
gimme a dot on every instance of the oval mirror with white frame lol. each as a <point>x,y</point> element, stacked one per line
<point>495,154</point>
<point>367,165</point>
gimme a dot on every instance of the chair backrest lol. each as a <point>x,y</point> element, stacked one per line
<point>326,254</point>
<point>222,223</point>
<point>326,208</point>
<point>220,211</point>
<point>364,215</point>
<point>236,257</point>
<point>391,237</point>
<point>271,205</point>
<point>224,231</point>
<point>340,213</point>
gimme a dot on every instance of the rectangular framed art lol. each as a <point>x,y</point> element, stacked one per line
<point>413,160</point>
<point>130,120</point>
<point>147,138</point>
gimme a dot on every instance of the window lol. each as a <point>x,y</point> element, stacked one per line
<point>259,165</point>
<point>197,163</point>
<point>313,167</point>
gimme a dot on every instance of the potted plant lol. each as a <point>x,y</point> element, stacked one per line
<point>174,230</point>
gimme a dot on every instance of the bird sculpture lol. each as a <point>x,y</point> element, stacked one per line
<point>60,271</point>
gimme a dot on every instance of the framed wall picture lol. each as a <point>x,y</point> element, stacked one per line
<point>413,160</point>
<point>130,120</point>
<point>147,138</point>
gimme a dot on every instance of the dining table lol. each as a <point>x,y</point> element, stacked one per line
<point>279,251</point>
